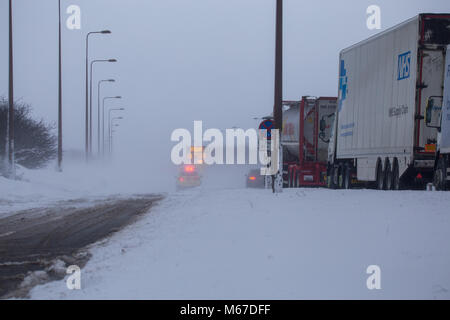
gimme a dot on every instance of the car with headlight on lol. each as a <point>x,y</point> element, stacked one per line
<point>255,179</point>
<point>188,177</point>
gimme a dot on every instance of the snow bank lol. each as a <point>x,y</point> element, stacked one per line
<point>251,244</point>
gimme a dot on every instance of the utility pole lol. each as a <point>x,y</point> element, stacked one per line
<point>278,105</point>
<point>11,159</point>
<point>60,152</point>
<point>87,99</point>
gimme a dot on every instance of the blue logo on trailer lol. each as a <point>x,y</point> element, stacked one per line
<point>343,79</point>
<point>347,127</point>
<point>267,125</point>
<point>404,66</point>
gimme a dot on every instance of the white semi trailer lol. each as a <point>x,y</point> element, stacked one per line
<point>392,126</point>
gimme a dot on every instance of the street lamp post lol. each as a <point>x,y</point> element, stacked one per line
<point>10,124</point>
<point>109,125</point>
<point>277,112</point>
<point>103,119</point>
<point>87,89</point>
<point>277,184</point>
<point>98,112</point>
<point>112,136</point>
<point>90,105</point>
<point>59,91</point>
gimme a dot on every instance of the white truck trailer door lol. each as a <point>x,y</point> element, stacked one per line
<point>445,126</point>
<point>432,76</point>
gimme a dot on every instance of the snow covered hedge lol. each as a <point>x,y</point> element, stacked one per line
<point>35,142</point>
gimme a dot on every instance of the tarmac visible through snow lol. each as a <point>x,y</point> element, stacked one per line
<point>37,245</point>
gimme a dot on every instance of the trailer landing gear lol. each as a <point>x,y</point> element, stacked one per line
<point>347,177</point>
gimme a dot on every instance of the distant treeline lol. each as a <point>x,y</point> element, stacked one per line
<point>35,141</point>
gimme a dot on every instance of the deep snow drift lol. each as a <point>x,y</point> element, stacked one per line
<point>307,243</point>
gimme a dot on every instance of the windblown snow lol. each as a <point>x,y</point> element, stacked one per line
<point>235,243</point>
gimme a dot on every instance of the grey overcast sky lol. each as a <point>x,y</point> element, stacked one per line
<point>184,60</point>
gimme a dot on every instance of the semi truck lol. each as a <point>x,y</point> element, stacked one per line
<point>306,133</point>
<point>392,122</point>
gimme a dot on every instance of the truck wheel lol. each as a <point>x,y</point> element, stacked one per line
<point>388,176</point>
<point>347,177</point>
<point>380,176</point>
<point>336,178</point>
<point>395,176</point>
<point>440,175</point>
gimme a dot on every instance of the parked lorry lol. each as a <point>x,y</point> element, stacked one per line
<point>306,134</point>
<point>392,123</point>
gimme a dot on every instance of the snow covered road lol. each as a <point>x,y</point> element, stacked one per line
<point>34,240</point>
<point>251,244</point>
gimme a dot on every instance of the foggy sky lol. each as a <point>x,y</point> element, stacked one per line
<point>184,60</point>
